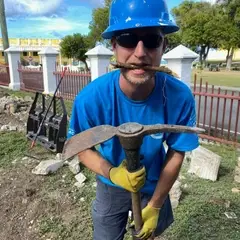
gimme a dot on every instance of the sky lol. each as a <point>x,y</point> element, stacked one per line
<point>52,18</point>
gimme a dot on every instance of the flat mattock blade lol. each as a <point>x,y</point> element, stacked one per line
<point>87,139</point>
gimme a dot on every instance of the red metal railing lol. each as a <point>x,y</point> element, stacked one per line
<point>73,82</point>
<point>4,75</point>
<point>218,113</point>
<point>31,78</point>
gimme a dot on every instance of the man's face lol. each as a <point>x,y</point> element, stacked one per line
<point>139,47</point>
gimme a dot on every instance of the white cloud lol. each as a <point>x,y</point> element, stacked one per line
<point>94,3</point>
<point>16,8</point>
<point>59,24</point>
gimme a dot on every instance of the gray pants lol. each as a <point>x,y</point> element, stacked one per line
<point>110,212</point>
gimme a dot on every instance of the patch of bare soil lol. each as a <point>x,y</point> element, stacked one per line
<point>36,207</point>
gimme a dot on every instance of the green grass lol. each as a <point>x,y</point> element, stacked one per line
<point>20,94</point>
<point>222,78</point>
<point>200,214</point>
<point>15,145</point>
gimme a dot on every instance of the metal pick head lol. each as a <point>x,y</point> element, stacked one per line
<point>87,139</point>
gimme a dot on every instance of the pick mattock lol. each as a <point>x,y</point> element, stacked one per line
<point>131,137</point>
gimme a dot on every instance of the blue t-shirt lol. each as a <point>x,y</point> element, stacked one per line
<point>103,102</point>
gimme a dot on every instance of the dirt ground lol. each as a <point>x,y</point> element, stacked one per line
<point>36,207</point>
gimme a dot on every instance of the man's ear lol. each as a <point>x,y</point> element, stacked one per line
<point>113,42</point>
<point>165,43</point>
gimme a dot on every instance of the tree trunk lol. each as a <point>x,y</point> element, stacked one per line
<point>205,54</point>
<point>86,66</point>
<point>201,55</point>
<point>4,29</point>
<point>229,60</point>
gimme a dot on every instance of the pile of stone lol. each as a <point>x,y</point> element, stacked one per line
<point>14,112</point>
<point>50,166</point>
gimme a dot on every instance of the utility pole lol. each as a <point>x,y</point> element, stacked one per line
<point>4,29</point>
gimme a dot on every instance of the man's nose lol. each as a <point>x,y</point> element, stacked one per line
<point>140,50</point>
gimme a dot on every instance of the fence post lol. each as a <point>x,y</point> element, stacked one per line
<point>99,58</point>
<point>13,59</point>
<point>49,57</point>
<point>179,60</point>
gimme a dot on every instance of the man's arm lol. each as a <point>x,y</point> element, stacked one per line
<point>167,178</point>
<point>95,162</point>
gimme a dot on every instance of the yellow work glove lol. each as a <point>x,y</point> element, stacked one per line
<point>131,181</point>
<point>150,219</point>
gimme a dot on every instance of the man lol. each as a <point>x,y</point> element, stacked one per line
<point>137,30</point>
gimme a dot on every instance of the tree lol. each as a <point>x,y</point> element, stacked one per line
<point>4,29</point>
<point>174,40</point>
<point>98,24</point>
<point>197,21</point>
<point>230,12</point>
<point>75,46</point>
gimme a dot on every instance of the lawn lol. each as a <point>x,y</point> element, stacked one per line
<point>221,78</point>
<point>57,210</point>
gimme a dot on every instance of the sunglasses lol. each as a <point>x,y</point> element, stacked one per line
<point>130,40</point>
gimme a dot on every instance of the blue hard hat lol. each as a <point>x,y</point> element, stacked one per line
<point>127,14</point>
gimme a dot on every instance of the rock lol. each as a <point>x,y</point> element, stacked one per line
<point>27,99</point>
<point>181,177</point>
<point>24,108</point>
<point>94,184</point>
<point>12,128</point>
<point>230,215</point>
<point>237,178</point>
<point>205,164</point>
<point>237,174</point>
<point>237,170</point>
<point>59,156</point>
<point>175,193</point>
<point>80,178</point>
<point>235,190</point>
<point>47,166</point>
<point>12,108</point>
<point>2,108</point>
<point>79,185</point>
<point>74,165</point>
<point>4,128</point>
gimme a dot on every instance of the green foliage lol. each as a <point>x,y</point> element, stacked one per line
<point>173,40</point>
<point>75,46</point>
<point>98,24</point>
<point>209,26</point>
<point>195,21</point>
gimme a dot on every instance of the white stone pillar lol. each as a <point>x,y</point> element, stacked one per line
<point>13,59</point>
<point>49,58</point>
<point>179,60</point>
<point>99,58</point>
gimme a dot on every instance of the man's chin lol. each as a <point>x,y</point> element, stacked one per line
<point>138,78</point>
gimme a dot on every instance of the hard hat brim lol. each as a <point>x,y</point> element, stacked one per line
<point>166,26</point>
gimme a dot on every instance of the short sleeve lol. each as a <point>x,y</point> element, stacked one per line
<point>78,120</point>
<point>187,117</point>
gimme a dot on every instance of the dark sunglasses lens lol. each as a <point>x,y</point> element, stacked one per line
<point>152,41</point>
<point>127,40</point>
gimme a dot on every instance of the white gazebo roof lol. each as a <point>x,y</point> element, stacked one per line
<point>180,52</point>
<point>99,50</point>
